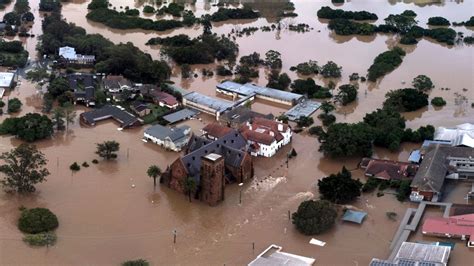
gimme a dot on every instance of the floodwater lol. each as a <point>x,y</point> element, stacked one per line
<point>103,220</point>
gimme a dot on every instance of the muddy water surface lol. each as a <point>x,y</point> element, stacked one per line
<point>103,220</point>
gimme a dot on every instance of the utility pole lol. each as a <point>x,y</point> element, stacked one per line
<point>289,216</point>
<point>174,236</point>
<point>240,193</point>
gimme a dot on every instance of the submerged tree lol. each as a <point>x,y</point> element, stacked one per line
<point>314,217</point>
<point>153,172</point>
<point>108,149</point>
<point>340,188</point>
<point>23,169</point>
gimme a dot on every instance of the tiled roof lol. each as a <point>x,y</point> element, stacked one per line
<point>216,130</point>
<point>112,81</point>
<point>258,137</point>
<point>390,169</point>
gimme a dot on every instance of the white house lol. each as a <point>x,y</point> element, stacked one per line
<point>265,137</point>
<point>69,54</point>
<point>170,138</point>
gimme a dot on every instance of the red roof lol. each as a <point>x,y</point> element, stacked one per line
<point>258,137</point>
<point>260,121</point>
<point>388,170</point>
<point>164,97</point>
<point>216,130</point>
<point>453,226</point>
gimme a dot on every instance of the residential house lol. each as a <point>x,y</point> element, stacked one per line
<point>239,116</point>
<point>69,56</point>
<point>459,226</point>
<point>387,169</point>
<point>275,257</point>
<point>83,86</point>
<point>140,108</point>
<point>441,161</point>
<point>117,113</point>
<point>170,138</point>
<point>165,99</point>
<point>265,137</point>
<point>116,84</point>
<point>212,164</point>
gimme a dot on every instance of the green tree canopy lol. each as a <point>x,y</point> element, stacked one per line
<point>339,188</point>
<point>347,94</point>
<point>14,105</point>
<point>331,70</point>
<point>154,171</point>
<point>405,100</point>
<point>30,127</point>
<point>342,139</point>
<point>314,217</point>
<point>108,149</point>
<point>422,83</point>
<point>23,169</point>
<point>37,220</point>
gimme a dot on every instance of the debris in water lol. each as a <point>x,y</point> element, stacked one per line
<point>133,185</point>
<point>316,242</point>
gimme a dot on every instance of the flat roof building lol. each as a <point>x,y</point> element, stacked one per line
<point>279,96</point>
<point>273,256</point>
<point>417,254</point>
<point>207,104</point>
<point>303,108</point>
<point>6,79</point>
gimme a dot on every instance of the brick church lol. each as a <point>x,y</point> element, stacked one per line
<point>212,164</point>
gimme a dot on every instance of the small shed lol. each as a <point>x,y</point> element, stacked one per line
<point>415,156</point>
<point>354,216</point>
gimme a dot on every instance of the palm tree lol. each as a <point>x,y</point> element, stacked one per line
<point>154,171</point>
<point>189,186</point>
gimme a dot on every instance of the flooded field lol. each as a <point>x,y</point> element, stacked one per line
<point>104,221</point>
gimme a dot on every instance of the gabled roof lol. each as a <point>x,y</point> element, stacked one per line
<point>216,130</point>
<point>432,171</point>
<point>242,114</point>
<point>115,82</point>
<point>164,97</point>
<point>454,225</point>
<point>110,111</point>
<point>180,115</point>
<point>230,146</point>
<point>388,170</point>
<point>261,138</point>
<point>140,106</point>
<point>161,132</point>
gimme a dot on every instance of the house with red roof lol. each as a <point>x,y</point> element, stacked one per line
<point>459,226</point>
<point>388,170</point>
<point>265,137</point>
<point>165,99</point>
<point>215,131</point>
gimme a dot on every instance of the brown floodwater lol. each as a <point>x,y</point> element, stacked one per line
<point>103,220</point>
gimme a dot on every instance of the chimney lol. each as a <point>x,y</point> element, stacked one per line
<point>280,127</point>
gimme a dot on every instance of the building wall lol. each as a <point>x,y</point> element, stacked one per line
<point>212,181</point>
<point>177,175</point>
